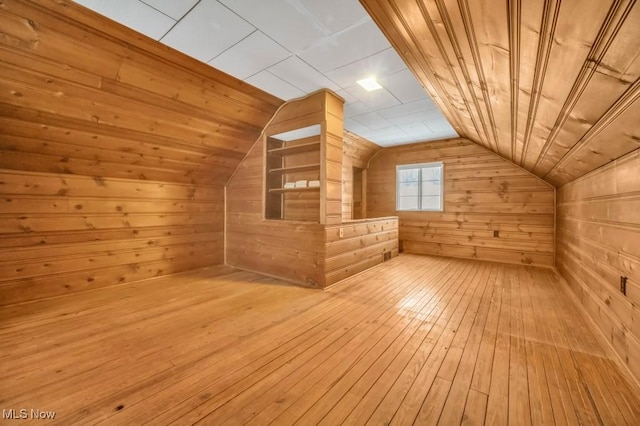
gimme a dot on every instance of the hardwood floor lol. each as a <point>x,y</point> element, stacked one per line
<point>418,339</point>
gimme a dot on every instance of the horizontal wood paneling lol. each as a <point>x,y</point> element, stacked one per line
<point>598,235</point>
<point>114,152</point>
<point>557,95</point>
<point>291,250</point>
<point>61,234</point>
<point>362,245</point>
<point>482,194</point>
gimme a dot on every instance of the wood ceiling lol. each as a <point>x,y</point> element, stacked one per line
<point>550,85</point>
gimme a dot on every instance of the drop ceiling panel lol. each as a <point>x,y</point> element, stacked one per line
<point>372,120</point>
<point>133,14</point>
<point>404,86</point>
<point>424,106</point>
<point>274,85</point>
<point>345,47</point>
<point>414,117</point>
<point>379,64</point>
<point>175,9</point>
<point>376,99</point>
<point>301,75</point>
<point>250,56</point>
<point>355,108</point>
<point>284,21</point>
<point>335,15</point>
<point>208,30</point>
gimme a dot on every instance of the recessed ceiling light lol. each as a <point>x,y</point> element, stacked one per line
<point>369,84</point>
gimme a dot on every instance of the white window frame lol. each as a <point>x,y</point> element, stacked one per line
<point>420,166</point>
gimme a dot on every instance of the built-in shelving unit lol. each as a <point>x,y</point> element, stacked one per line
<point>303,161</point>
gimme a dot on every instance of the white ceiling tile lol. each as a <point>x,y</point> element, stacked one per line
<point>336,15</point>
<point>404,86</point>
<point>355,127</point>
<point>379,65</point>
<point>423,105</point>
<point>274,85</point>
<point>373,121</point>
<point>284,21</point>
<point>133,14</point>
<point>415,117</point>
<point>345,47</point>
<point>355,108</point>
<point>173,8</point>
<point>301,75</point>
<point>418,130</point>
<point>208,30</point>
<point>250,56</point>
<point>376,99</point>
<point>348,98</point>
<point>440,125</point>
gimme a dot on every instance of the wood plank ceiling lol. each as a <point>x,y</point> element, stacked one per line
<point>551,85</point>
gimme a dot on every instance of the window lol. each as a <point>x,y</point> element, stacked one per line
<point>419,186</point>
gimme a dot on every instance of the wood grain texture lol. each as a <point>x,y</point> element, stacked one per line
<point>483,193</point>
<point>552,93</point>
<point>417,340</point>
<point>293,250</point>
<point>598,234</point>
<point>363,245</point>
<point>356,152</point>
<point>114,152</point>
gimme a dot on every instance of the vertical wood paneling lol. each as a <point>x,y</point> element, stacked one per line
<point>597,243</point>
<point>527,79</point>
<point>483,193</point>
<point>114,151</point>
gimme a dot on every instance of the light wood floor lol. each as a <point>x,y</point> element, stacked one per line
<point>419,339</point>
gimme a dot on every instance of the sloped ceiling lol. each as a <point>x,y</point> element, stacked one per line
<point>550,85</point>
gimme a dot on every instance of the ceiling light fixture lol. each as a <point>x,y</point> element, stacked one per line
<point>369,84</point>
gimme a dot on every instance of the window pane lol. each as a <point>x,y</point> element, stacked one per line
<point>419,186</point>
<point>431,188</point>
<point>432,173</point>
<point>431,203</point>
<point>408,203</point>
<point>408,189</point>
<point>408,175</point>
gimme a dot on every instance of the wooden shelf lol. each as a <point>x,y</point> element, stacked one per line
<point>296,169</point>
<point>296,149</point>
<point>301,189</point>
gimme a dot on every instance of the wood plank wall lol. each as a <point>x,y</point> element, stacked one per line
<point>362,245</point>
<point>290,250</point>
<point>483,193</point>
<point>598,241</point>
<point>114,152</point>
<point>356,152</point>
<point>286,249</point>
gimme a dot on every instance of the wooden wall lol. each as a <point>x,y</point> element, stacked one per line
<point>362,245</point>
<point>275,247</point>
<point>598,241</point>
<point>483,193</point>
<point>114,151</point>
<point>356,152</point>
<point>551,85</point>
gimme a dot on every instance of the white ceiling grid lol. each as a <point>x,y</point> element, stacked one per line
<point>293,47</point>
